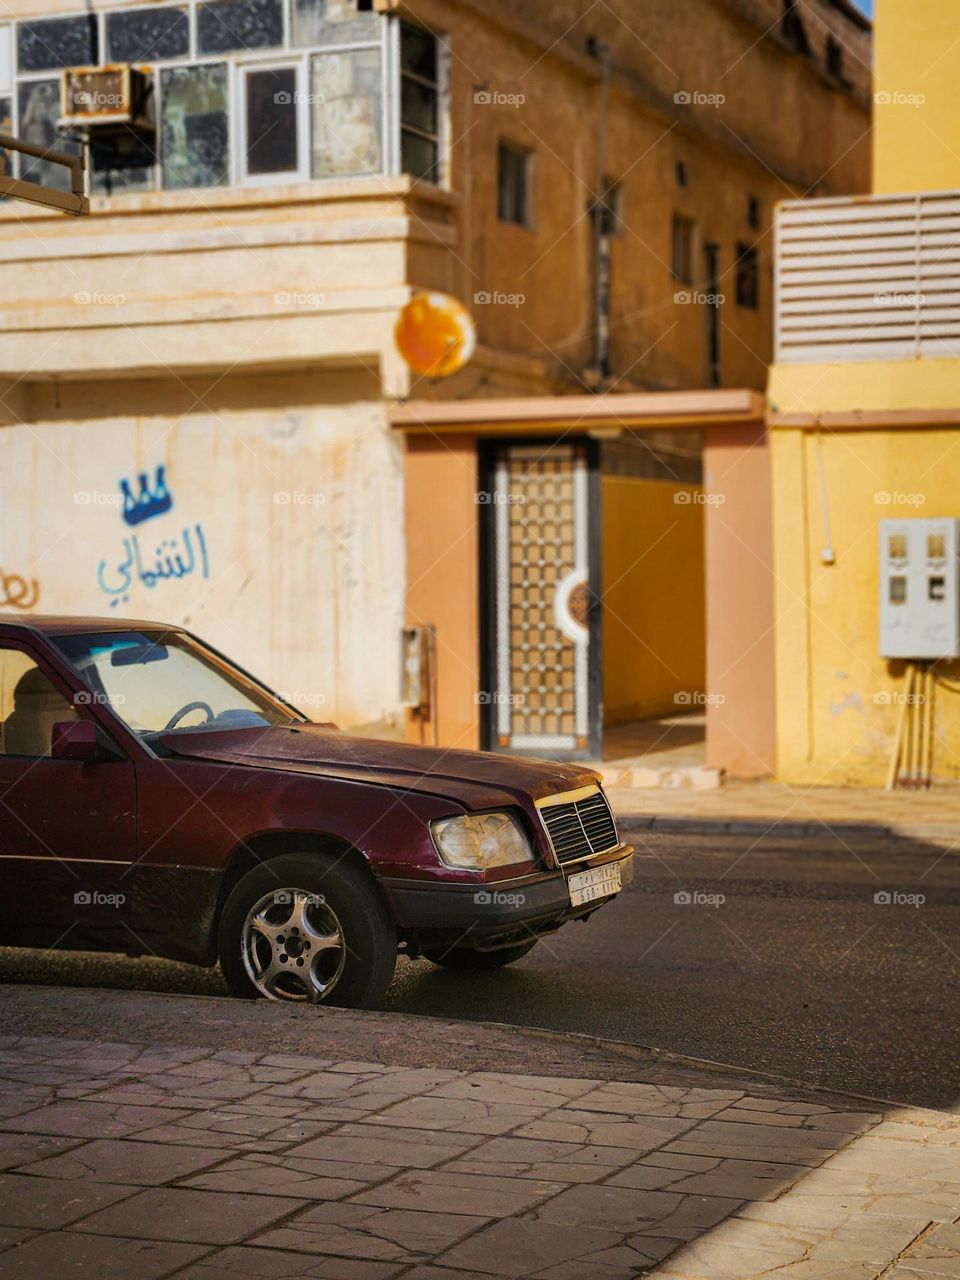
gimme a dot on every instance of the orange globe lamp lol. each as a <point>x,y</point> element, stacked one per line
<point>435,334</point>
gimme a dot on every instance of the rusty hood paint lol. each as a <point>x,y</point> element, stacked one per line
<point>475,778</point>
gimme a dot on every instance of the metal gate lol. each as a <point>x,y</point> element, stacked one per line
<point>542,652</point>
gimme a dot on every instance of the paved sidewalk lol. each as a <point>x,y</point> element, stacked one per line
<point>136,1162</point>
<point>755,807</point>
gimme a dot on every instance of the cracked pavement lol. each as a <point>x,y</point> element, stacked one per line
<point>147,1161</point>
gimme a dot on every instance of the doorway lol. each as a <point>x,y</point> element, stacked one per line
<point>540,598</point>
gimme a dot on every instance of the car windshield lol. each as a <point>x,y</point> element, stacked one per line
<point>164,681</point>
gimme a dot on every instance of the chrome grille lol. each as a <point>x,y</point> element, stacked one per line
<point>580,828</point>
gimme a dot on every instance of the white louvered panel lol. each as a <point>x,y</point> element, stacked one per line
<point>875,278</point>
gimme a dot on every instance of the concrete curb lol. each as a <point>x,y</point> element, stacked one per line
<point>774,826</point>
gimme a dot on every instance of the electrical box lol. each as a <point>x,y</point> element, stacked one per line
<point>920,588</point>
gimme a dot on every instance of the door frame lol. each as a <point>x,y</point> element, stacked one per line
<point>487,450</point>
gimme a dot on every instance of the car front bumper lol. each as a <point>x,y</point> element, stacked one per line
<point>496,913</point>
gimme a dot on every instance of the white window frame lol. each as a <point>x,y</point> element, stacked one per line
<point>240,69</point>
<point>7,77</point>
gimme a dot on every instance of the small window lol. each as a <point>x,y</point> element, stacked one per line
<point>748,277</point>
<point>6,60</point>
<point>30,705</point>
<point>320,22</point>
<point>753,213</point>
<point>835,58</point>
<point>513,184</point>
<point>195,133</point>
<point>38,103</point>
<point>792,26</point>
<point>936,546</point>
<point>680,171</point>
<point>347,93</point>
<point>121,161</point>
<point>58,42</point>
<point>151,34</point>
<point>937,588</point>
<point>419,103</point>
<point>608,209</point>
<point>898,589</point>
<point>897,546</point>
<point>224,25</point>
<point>684,230</point>
<point>271,102</point>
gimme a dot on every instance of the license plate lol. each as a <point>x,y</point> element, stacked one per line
<point>598,882</point>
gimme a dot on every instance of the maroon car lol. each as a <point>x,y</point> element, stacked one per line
<point>155,798</point>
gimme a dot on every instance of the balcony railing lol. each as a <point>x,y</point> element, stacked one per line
<point>869,278</point>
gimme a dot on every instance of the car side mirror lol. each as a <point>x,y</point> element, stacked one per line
<point>74,740</point>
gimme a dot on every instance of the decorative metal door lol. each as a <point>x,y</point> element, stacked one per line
<point>541,667</point>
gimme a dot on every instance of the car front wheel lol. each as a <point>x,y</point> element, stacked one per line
<point>467,960</point>
<point>307,927</point>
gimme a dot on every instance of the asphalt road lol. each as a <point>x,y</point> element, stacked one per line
<point>781,960</point>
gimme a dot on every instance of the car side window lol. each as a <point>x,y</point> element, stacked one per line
<point>30,705</point>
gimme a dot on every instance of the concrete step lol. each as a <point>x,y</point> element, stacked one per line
<point>672,777</point>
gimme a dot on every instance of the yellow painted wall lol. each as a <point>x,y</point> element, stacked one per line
<point>653,594</point>
<point>916,133</point>
<point>836,713</point>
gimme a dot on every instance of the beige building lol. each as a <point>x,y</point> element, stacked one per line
<point>197,380</point>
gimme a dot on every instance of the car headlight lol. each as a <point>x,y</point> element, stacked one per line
<point>480,840</point>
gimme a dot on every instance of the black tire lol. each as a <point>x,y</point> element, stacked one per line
<point>466,960</point>
<point>368,958</point>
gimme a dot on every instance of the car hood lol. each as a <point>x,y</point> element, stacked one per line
<point>477,779</point>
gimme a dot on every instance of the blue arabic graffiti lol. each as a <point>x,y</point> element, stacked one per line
<point>169,563</point>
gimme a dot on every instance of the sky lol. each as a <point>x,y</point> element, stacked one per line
<point>866,6</point>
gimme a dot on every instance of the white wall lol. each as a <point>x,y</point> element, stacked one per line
<point>300,512</point>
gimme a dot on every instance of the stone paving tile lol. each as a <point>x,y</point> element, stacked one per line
<point>740,1179</point>
<point>90,1120</point>
<point>46,1204</point>
<point>458,1114</point>
<point>520,1247</point>
<point>19,1148</point>
<point>387,1145</point>
<point>626,1209</point>
<point>65,1253</point>
<point>148,1164</point>
<point>253,1174</point>
<point>628,1261</point>
<point>197,1217</point>
<point>586,1127</point>
<point>546,1161</point>
<point>489,1086</point>
<point>363,1231</point>
<point>239,1262</point>
<point>202,1139</point>
<point>10,1236</point>
<point>628,1099</point>
<point>439,1191</point>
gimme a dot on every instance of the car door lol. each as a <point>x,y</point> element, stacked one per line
<point>67,828</point>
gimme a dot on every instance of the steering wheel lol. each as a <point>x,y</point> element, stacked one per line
<point>185,711</point>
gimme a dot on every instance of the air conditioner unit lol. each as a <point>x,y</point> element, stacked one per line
<point>116,94</point>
